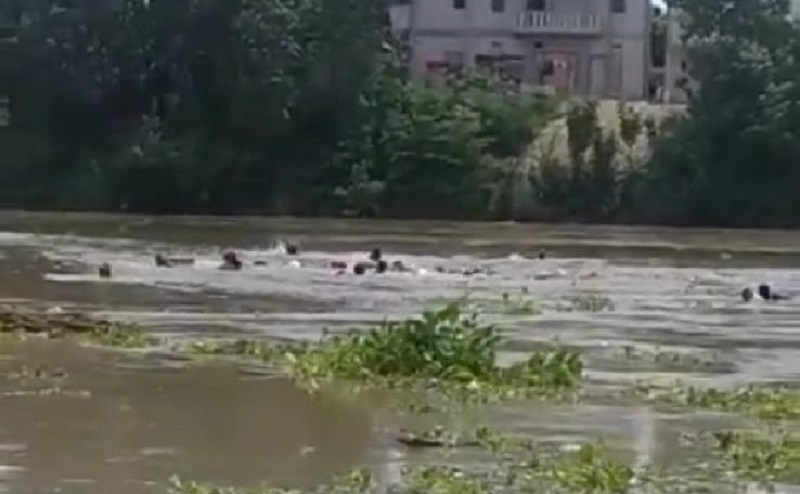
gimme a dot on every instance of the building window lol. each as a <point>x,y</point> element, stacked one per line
<point>459,4</point>
<point>498,5</point>
<point>617,6</point>
<point>537,5</point>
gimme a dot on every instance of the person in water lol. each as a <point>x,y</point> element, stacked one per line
<point>764,293</point>
<point>104,271</point>
<point>399,267</point>
<point>162,261</point>
<point>291,249</point>
<point>375,255</point>
<point>542,254</point>
<point>230,261</point>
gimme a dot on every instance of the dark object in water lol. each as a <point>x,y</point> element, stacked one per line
<point>260,262</point>
<point>399,267</point>
<point>765,292</point>
<point>381,266</point>
<point>375,254</point>
<point>360,268</point>
<point>543,254</point>
<point>162,262</point>
<point>291,249</point>
<point>104,271</point>
<point>167,262</point>
<point>231,261</point>
<point>338,265</point>
<point>423,441</point>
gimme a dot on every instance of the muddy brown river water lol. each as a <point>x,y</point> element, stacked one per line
<point>124,423</point>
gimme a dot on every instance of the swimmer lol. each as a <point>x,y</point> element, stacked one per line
<point>290,249</point>
<point>104,271</point>
<point>162,262</point>
<point>338,265</point>
<point>230,261</point>
<point>764,293</point>
<point>399,267</point>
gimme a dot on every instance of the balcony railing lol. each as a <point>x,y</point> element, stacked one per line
<point>536,22</point>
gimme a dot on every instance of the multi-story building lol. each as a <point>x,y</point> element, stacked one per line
<point>677,82</point>
<point>598,48</point>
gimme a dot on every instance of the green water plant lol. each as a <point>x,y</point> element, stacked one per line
<point>521,304</point>
<point>759,401</point>
<point>444,349</point>
<point>441,346</point>
<point>121,335</point>
<point>589,470</point>
<point>766,457</point>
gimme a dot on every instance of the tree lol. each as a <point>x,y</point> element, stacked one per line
<point>736,164</point>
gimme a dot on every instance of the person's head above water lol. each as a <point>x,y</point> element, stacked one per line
<point>765,291</point>
<point>291,249</point>
<point>104,271</point>
<point>359,268</point>
<point>162,261</point>
<point>747,294</point>
<point>381,266</point>
<point>230,258</point>
<point>376,254</point>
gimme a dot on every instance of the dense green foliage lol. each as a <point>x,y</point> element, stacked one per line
<point>734,159</point>
<point>304,107</point>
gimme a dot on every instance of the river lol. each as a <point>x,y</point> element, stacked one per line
<point>123,423</point>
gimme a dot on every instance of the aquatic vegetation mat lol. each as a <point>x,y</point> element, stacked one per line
<point>759,401</point>
<point>521,465</point>
<point>23,323</point>
<point>444,348</point>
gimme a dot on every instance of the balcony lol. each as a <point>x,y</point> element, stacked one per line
<point>580,24</point>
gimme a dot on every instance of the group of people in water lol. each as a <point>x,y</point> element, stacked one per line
<point>374,263</point>
<point>377,264</point>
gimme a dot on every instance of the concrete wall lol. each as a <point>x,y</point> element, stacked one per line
<point>629,35</point>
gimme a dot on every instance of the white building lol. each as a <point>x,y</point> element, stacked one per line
<point>589,47</point>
